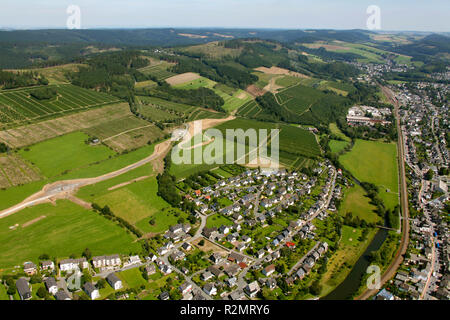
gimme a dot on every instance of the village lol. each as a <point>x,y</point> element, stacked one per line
<point>424,272</point>
<point>233,259</point>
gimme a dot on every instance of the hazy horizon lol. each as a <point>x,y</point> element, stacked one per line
<point>398,16</point>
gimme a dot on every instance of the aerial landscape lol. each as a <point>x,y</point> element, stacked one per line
<point>257,164</point>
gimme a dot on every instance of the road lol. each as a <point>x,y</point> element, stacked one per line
<point>63,189</point>
<point>392,269</point>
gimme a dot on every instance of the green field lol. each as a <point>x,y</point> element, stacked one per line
<point>375,162</point>
<point>217,220</point>
<point>132,278</point>
<point>160,71</point>
<point>337,146</point>
<point>18,106</point>
<point>58,155</point>
<point>3,294</point>
<point>356,202</point>
<point>66,229</point>
<point>233,98</point>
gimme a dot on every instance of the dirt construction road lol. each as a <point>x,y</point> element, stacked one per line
<point>65,189</point>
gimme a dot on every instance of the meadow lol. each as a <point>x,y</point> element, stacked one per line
<point>59,155</point>
<point>233,98</point>
<point>217,220</point>
<point>375,162</point>
<point>356,201</point>
<point>135,201</point>
<point>66,229</point>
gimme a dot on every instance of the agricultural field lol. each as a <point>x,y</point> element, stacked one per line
<point>233,98</point>
<point>298,99</point>
<point>126,133</point>
<point>213,50</point>
<point>37,132</point>
<point>59,230</point>
<point>158,70</point>
<point>59,155</point>
<point>18,107</point>
<point>133,197</point>
<point>357,202</point>
<point>249,110</point>
<point>375,162</point>
<point>160,108</point>
<point>299,154</point>
<point>15,171</point>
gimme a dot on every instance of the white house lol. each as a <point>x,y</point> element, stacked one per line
<point>91,291</point>
<point>114,281</point>
<point>50,284</point>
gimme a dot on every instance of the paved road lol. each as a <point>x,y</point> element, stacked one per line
<point>392,269</point>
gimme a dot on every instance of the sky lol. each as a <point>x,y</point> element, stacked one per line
<point>396,15</point>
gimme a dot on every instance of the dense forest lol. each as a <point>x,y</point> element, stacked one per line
<point>115,73</point>
<point>11,80</point>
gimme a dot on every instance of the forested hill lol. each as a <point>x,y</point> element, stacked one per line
<point>174,37</point>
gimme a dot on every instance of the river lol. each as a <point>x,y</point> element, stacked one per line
<point>352,282</point>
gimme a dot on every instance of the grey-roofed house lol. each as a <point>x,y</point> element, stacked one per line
<point>114,281</point>
<point>91,290</point>
<point>50,284</point>
<point>23,289</point>
<point>61,295</point>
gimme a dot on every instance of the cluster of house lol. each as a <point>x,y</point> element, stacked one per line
<point>103,263</point>
<point>178,232</point>
<point>365,115</point>
<point>25,293</point>
<point>308,263</point>
<point>424,272</point>
<point>94,293</point>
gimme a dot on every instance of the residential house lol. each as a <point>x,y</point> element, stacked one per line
<point>106,261</point>
<point>210,289</point>
<point>50,284</point>
<point>91,291</point>
<point>29,268</point>
<point>114,281</point>
<point>252,289</point>
<point>269,270</point>
<point>23,288</point>
<point>47,265</point>
<point>150,269</point>
<point>73,264</point>
<point>185,288</point>
<point>61,295</point>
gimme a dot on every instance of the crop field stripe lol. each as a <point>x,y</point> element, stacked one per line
<point>46,106</point>
<point>19,96</point>
<point>27,103</point>
<point>11,113</point>
<point>79,98</point>
<point>12,103</point>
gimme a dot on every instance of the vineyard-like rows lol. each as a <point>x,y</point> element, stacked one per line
<point>250,109</point>
<point>18,105</point>
<point>159,71</point>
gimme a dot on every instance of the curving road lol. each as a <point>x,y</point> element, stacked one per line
<point>63,189</point>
